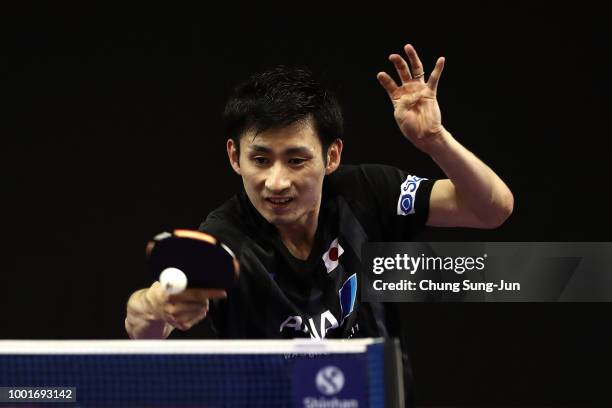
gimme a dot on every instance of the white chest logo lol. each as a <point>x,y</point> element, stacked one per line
<point>326,321</point>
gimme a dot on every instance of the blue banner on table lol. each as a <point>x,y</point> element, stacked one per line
<point>487,272</point>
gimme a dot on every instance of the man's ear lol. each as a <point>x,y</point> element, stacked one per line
<point>334,154</point>
<point>232,155</point>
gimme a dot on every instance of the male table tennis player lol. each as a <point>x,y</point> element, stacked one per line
<point>298,225</point>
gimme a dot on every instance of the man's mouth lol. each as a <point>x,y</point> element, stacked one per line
<point>279,201</point>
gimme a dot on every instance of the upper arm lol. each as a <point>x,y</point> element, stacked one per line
<point>445,210</point>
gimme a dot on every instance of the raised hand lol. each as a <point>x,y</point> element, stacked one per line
<point>416,108</point>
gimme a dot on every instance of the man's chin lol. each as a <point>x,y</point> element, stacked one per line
<point>280,220</point>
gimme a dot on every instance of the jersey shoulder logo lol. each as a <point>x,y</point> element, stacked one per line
<point>407,196</point>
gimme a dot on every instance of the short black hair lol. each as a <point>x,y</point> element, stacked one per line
<point>279,97</point>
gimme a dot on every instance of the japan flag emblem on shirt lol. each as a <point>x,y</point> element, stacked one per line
<point>330,258</point>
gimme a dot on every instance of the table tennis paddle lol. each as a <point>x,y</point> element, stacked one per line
<point>191,259</point>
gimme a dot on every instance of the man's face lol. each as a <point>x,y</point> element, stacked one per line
<point>283,170</point>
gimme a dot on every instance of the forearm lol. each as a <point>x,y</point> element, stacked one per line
<point>477,187</point>
<point>141,322</point>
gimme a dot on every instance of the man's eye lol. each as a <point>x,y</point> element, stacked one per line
<point>296,162</point>
<point>260,160</point>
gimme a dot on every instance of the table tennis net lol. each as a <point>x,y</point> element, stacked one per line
<point>186,373</point>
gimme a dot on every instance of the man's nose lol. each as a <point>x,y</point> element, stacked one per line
<point>278,178</point>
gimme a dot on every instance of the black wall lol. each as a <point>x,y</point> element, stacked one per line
<point>113,133</point>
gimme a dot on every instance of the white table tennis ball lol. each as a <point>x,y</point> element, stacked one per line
<point>173,280</point>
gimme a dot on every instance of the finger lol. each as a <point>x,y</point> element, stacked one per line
<point>216,293</point>
<point>387,82</point>
<point>157,293</point>
<point>197,295</point>
<point>179,308</point>
<point>187,305</point>
<point>401,66</point>
<point>183,326</point>
<point>187,321</point>
<point>186,317</point>
<point>434,78</point>
<point>415,62</point>
<point>170,320</point>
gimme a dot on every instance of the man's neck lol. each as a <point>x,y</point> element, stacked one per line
<point>299,240</point>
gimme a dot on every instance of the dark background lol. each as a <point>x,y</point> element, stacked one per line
<point>113,134</point>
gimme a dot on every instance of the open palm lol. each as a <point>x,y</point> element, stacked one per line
<point>416,108</point>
